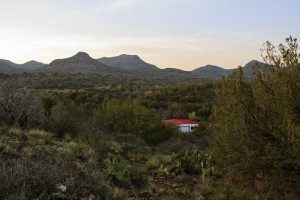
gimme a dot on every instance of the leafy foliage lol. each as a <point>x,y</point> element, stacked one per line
<point>194,161</point>
<point>64,119</point>
<point>130,117</point>
<point>256,124</point>
<point>121,173</point>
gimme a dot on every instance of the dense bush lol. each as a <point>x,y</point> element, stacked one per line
<point>65,119</point>
<point>119,172</point>
<point>256,124</point>
<point>194,161</point>
<point>130,117</point>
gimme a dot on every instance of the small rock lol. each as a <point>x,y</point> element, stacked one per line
<point>61,187</point>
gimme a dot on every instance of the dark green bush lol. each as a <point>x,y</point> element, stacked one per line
<point>130,117</point>
<point>194,161</point>
<point>65,119</point>
<point>120,173</point>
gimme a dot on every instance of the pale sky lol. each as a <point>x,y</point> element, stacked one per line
<point>184,34</point>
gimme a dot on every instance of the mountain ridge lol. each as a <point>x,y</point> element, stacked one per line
<point>127,62</point>
<point>80,62</point>
<point>123,64</point>
<point>216,72</point>
<point>9,66</point>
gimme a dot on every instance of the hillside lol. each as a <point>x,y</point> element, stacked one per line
<point>247,69</point>
<point>31,65</point>
<point>127,62</point>
<point>8,66</point>
<point>210,72</point>
<point>81,62</point>
<point>215,72</point>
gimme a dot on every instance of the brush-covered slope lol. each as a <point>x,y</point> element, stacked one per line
<point>81,62</point>
<point>210,72</point>
<point>127,62</point>
<point>31,65</point>
<point>9,66</point>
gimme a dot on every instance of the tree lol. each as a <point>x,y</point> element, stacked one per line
<point>256,124</point>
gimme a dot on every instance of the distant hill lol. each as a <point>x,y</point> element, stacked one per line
<point>175,70</point>
<point>215,72</point>
<point>125,67</point>
<point>81,62</point>
<point>31,65</point>
<point>210,72</point>
<point>127,62</point>
<point>8,62</point>
<point>247,69</point>
<point>8,66</point>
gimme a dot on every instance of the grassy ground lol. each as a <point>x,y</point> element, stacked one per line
<point>35,165</point>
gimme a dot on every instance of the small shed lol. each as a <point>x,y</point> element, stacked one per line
<point>184,125</point>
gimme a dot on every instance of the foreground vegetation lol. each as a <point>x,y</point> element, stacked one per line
<point>37,165</point>
<point>109,142</point>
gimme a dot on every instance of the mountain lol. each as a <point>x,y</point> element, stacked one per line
<point>8,66</point>
<point>130,67</point>
<point>175,70</point>
<point>210,72</point>
<point>127,62</point>
<point>248,68</point>
<point>31,65</point>
<point>81,62</point>
<point>215,72</point>
<point>9,62</point>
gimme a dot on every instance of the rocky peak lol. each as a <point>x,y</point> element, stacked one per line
<point>81,56</point>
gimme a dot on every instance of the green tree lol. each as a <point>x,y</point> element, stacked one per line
<point>256,124</point>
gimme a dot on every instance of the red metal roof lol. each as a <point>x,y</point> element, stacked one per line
<point>179,121</point>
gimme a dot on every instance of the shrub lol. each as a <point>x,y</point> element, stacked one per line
<point>64,119</point>
<point>130,117</point>
<point>19,106</point>
<point>194,161</point>
<point>155,161</point>
<point>122,174</point>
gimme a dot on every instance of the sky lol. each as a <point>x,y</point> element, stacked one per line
<point>183,34</point>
